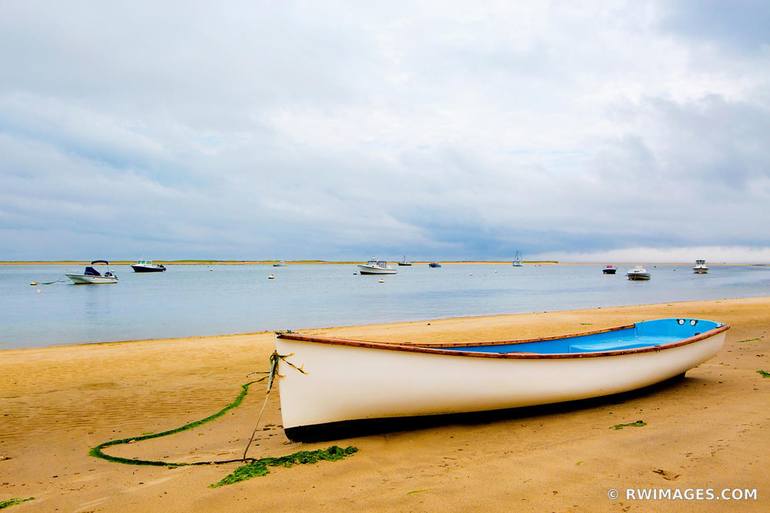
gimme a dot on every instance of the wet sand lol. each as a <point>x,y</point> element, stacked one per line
<point>709,430</point>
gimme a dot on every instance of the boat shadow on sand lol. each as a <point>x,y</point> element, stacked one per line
<point>370,427</point>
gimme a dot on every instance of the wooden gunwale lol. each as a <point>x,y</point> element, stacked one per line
<point>441,349</point>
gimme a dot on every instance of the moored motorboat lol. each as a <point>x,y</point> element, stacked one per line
<point>376,267</point>
<point>280,263</point>
<point>638,273</point>
<point>610,269</point>
<point>435,265</point>
<point>146,266</point>
<point>344,380</point>
<point>700,267</point>
<point>93,277</point>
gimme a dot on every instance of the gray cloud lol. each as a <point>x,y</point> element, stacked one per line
<point>738,25</point>
<point>334,130</point>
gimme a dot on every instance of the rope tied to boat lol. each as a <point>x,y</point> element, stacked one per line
<point>271,374</point>
<point>252,467</point>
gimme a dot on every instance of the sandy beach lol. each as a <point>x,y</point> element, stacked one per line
<point>710,430</point>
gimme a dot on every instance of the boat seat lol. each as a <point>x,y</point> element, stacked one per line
<point>614,345</point>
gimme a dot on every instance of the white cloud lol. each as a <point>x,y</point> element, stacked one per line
<point>305,129</point>
<point>712,254</point>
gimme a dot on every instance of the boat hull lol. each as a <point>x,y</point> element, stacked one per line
<point>609,271</point>
<point>365,269</point>
<point>638,276</point>
<point>347,382</point>
<point>85,279</point>
<point>148,269</point>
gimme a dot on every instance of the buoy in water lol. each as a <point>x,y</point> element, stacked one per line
<point>271,277</point>
<point>381,280</point>
<point>33,283</point>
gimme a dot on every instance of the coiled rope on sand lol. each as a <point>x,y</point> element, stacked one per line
<point>253,466</point>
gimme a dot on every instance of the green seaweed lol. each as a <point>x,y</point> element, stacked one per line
<point>13,502</point>
<point>763,373</point>
<point>260,468</point>
<point>637,423</point>
<point>97,451</point>
<point>254,467</point>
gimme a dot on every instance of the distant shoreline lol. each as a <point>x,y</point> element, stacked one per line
<point>352,262</point>
<point>266,262</point>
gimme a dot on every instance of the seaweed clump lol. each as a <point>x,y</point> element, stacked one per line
<point>13,502</point>
<point>637,423</point>
<point>260,468</point>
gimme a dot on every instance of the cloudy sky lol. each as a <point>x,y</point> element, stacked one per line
<point>577,130</point>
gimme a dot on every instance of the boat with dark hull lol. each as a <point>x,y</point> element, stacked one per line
<point>610,269</point>
<point>146,266</point>
<point>328,381</point>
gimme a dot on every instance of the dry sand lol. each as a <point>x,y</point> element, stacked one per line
<point>709,430</point>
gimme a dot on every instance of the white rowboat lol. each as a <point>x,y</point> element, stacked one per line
<point>348,380</point>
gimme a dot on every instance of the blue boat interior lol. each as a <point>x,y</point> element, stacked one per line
<point>642,334</point>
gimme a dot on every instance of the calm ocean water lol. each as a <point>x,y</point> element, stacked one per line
<point>193,300</point>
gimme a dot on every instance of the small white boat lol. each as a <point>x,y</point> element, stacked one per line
<point>517,260</point>
<point>93,277</point>
<point>700,267</point>
<point>638,273</point>
<point>376,267</point>
<point>146,266</point>
<point>271,276</point>
<point>346,380</point>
